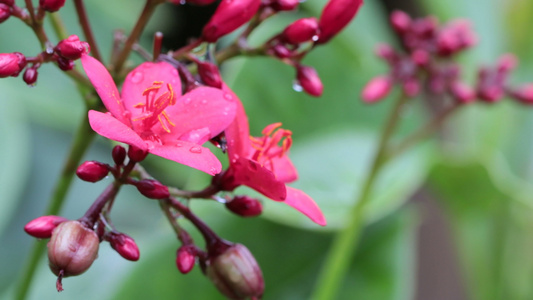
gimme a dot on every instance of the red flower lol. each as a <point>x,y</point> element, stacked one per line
<point>150,114</point>
<point>263,165</point>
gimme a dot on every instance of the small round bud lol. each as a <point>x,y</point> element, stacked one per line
<point>507,62</point>
<point>119,155</point>
<point>301,31</point>
<point>124,245</point>
<point>152,189</point>
<point>309,80</point>
<point>5,12</point>
<point>281,51</point>
<point>400,21</point>
<point>72,248</point>
<point>230,15</point>
<point>92,171</point>
<point>462,92</point>
<point>8,2</point>
<point>11,64</point>
<point>245,206</point>
<point>72,48</point>
<point>386,52</point>
<point>376,89</point>
<point>284,5</point>
<point>236,273</point>
<point>411,87</point>
<point>30,76</point>
<point>335,16</point>
<point>65,64</point>
<point>51,5</point>
<point>186,258</point>
<point>42,227</point>
<point>523,94</point>
<point>136,154</point>
<point>209,74</point>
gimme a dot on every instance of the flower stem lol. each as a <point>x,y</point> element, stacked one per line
<point>86,27</point>
<point>80,144</point>
<point>345,243</point>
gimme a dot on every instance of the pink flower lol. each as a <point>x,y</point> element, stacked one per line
<point>150,114</point>
<point>263,165</point>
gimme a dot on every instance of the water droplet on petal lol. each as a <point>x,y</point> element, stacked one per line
<point>178,144</point>
<point>137,77</point>
<point>228,97</point>
<point>297,86</point>
<point>314,38</point>
<point>196,149</point>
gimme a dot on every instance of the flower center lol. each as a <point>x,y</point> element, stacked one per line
<point>267,147</point>
<point>153,108</point>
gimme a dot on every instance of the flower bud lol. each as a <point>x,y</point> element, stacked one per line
<point>309,80</point>
<point>186,258</point>
<point>119,154</point>
<point>281,51</point>
<point>386,52</point>
<point>376,89</point>
<point>301,31</point>
<point>136,154</point>
<point>11,64</point>
<point>51,5</point>
<point>245,206</point>
<point>124,245</point>
<point>42,227</point>
<point>92,171</point>
<point>524,93</point>
<point>8,2</point>
<point>335,16</point>
<point>72,248</point>
<point>236,274</point>
<point>492,93</point>
<point>507,62</point>
<point>72,48</point>
<point>210,74</point>
<point>400,21</point>
<point>462,92</point>
<point>65,64</point>
<point>284,5</point>
<point>229,16</point>
<point>5,12</point>
<point>30,75</point>
<point>152,189</point>
<point>411,87</point>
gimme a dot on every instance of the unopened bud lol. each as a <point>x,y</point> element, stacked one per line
<point>124,245</point>
<point>281,51</point>
<point>491,93</point>
<point>411,87</point>
<point>136,154</point>
<point>420,57</point>
<point>524,94</point>
<point>8,2</point>
<point>245,206</point>
<point>119,154</point>
<point>5,12</point>
<point>376,89</point>
<point>65,64</point>
<point>301,31</point>
<point>186,258</point>
<point>72,48</point>
<point>30,76</point>
<point>152,189</point>
<point>230,15</point>
<point>462,92</point>
<point>51,5</point>
<point>72,248</point>
<point>42,227</point>
<point>335,16</point>
<point>507,62</point>
<point>236,273</point>
<point>386,52</point>
<point>11,64</point>
<point>309,80</point>
<point>284,5</point>
<point>400,21</point>
<point>210,74</point>
<point>92,171</point>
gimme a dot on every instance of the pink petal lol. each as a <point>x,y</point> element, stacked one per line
<point>238,132</point>
<point>143,77</point>
<point>251,174</point>
<point>111,128</point>
<point>203,107</point>
<point>189,154</point>
<point>105,86</point>
<point>284,169</point>
<point>305,204</point>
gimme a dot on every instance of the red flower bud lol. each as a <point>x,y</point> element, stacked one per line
<point>335,16</point>
<point>507,62</point>
<point>230,15</point>
<point>92,171</point>
<point>136,154</point>
<point>491,93</point>
<point>42,227</point>
<point>152,189</point>
<point>209,74</point>
<point>11,64</point>
<point>420,57</point>
<point>462,92</point>
<point>119,154</point>
<point>386,52</point>
<point>124,245</point>
<point>376,89</point>
<point>5,12</point>
<point>524,94</point>
<point>30,75</point>
<point>72,248</point>
<point>301,31</point>
<point>411,87</point>
<point>400,21</point>
<point>281,51</point>
<point>65,64</point>
<point>309,80</point>
<point>245,206</point>
<point>8,2</point>
<point>186,258</point>
<point>284,5</point>
<point>72,48</point>
<point>236,274</point>
<point>51,5</point>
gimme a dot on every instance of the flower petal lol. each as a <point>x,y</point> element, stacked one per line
<point>251,174</point>
<point>284,169</point>
<point>189,154</point>
<point>105,86</point>
<point>238,132</point>
<point>305,204</point>
<point>111,128</point>
<point>143,77</point>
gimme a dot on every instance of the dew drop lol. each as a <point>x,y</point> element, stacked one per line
<point>179,144</point>
<point>228,97</point>
<point>137,77</point>
<point>314,38</point>
<point>297,86</point>
<point>196,149</point>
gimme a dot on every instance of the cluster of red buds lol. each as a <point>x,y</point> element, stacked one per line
<point>426,62</point>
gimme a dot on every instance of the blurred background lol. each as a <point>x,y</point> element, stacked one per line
<point>448,220</point>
